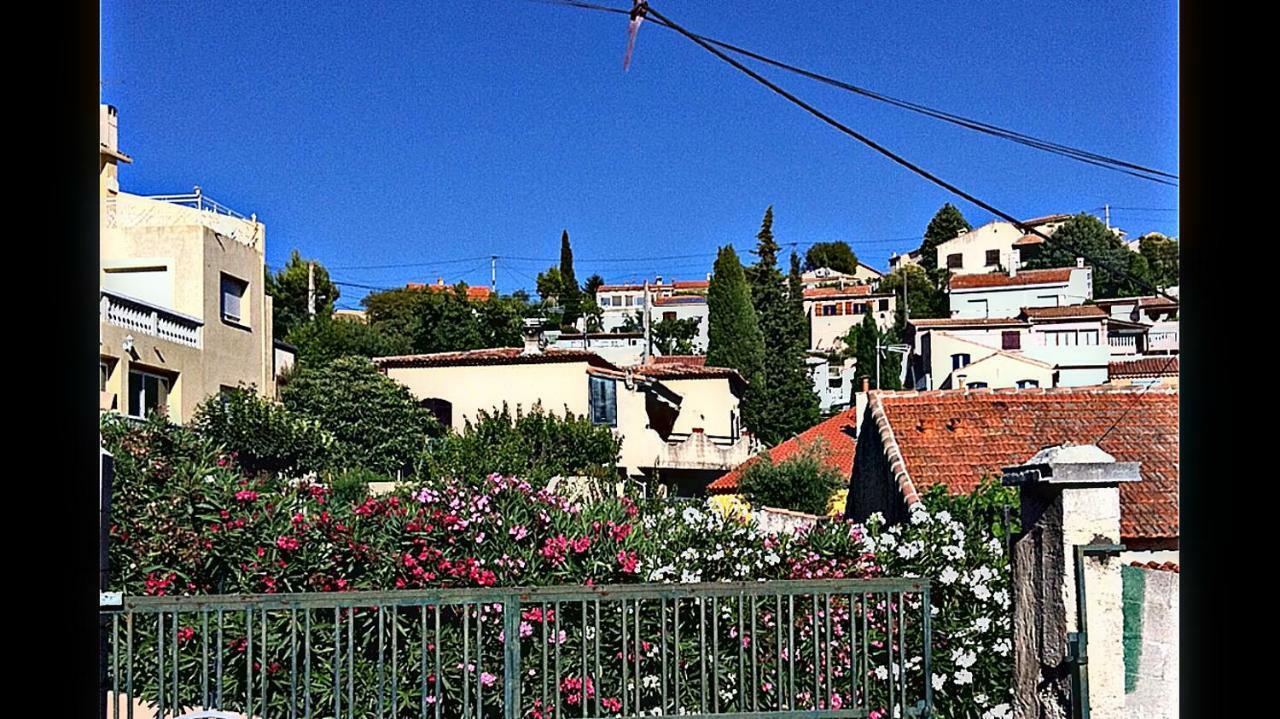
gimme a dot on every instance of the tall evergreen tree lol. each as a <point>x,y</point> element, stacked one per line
<point>571,293</point>
<point>789,404</point>
<point>733,333</point>
<point>795,298</point>
<point>947,222</point>
<point>868,338</point>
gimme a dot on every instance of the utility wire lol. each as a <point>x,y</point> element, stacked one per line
<point>898,158</point>
<point>1074,153</point>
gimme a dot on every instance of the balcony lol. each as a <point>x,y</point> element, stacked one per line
<point>144,318</point>
<point>1122,345</point>
<point>699,450</point>
<point>125,211</point>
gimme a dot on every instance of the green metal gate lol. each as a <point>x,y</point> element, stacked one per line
<point>823,648</point>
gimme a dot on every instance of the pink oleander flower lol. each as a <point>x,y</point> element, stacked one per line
<point>246,495</point>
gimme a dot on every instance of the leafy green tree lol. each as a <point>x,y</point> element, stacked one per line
<point>445,320</point>
<point>868,337</point>
<point>947,223</point>
<point>1162,257</point>
<point>924,299</point>
<point>534,445</point>
<point>734,337</point>
<point>264,435</point>
<point>376,421</point>
<point>550,285</point>
<point>326,338</point>
<point>675,336</point>
<point>836,255</point>
<point>593,283</point>
<point>789,404</point>
<point>288,290</point>
<point>1086,236</point>
<point>633,322</point>
<point>803,482</point>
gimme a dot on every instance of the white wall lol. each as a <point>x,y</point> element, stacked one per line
<point>972,247</point>
<point>1008,301</point>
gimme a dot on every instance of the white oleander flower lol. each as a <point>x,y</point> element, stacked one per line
<point>964,676</point>
<point>944,516</point>
<point>881,673</point>
<point>948,576</point>
<point>939,681</point>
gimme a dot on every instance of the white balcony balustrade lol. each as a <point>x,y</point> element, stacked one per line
<point>144,318</point>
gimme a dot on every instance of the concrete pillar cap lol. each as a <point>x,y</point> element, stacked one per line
<point>1073,465</point>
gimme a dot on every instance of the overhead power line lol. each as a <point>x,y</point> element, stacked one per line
<point>1062,150</point>
<point>1116,272</point>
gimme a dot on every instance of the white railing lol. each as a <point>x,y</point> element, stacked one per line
<point>127,211</point>
<point>1123,344</point>
<point>1162,341</point>
<point>144,318</point>
<point>703,451</point>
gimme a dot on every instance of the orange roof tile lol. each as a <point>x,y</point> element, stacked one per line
<point>1144,367</point>
<point>837,432</point>
<point>846,291</point>
<point>1066,312</point>
<point>1000,279</point>
<point>494,356</point>
<point>957,437</point>
<point>694,360</point>
<point>473,293</point>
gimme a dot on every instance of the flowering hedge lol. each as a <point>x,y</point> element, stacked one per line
<point>186,520</point>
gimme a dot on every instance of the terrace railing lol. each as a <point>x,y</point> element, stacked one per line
<point>828,648</point>
<point>145,318</point>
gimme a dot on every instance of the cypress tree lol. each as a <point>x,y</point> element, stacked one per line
<point>868,338</point>
<point>789,404</point>
<point>733,334</point>
<point>570,293</point>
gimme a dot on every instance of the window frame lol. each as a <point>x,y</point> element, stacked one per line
<point>140,393</point>
<point>955,261</point>
<point>243,286</point>
<point>989,259</point>
<point>955,360</point>
<point>602,401</point>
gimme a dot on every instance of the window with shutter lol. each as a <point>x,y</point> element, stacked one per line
<point>233,291</point>
<point>604,401</point>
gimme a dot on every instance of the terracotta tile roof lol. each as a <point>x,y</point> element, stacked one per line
<point>962,322</point>
<point>679,300</point>
<point>837,432</point>
<point>1152,301</point>
<point>473,293</point>
<point>1028,240</point>
<point>1165,567</point>
<point>1045,220</point>
<point>620,288</point>
<point>847,291</point>
<point>1000,279</point>
<point>691,284</point>
<point>1067,312</point>
<point>677,370</point>
<point>495,356</point>
<point>958,437</point>
<point>693,360</point>
<point>1144,367</point>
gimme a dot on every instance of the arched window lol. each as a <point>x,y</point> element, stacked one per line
<point>441,408</point>
<point>1027,383</point>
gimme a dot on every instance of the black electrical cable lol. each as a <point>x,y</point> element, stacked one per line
<point>1080,155</point>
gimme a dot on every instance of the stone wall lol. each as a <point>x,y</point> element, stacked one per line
<point>1150,642</point>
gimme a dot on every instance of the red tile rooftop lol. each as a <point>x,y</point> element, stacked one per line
<point>836,433</point>
<point>957,437</point>
<point>1067,312</point>
<point>473,293</point>
<point>495,356</point>
<point>694,360</point>
<point>1001,279</point>
<point>1144,367</point>
<point>833,292</point>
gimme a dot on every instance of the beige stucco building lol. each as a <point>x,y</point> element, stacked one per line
<point>832,311</point>
<point>678,422</point>
<point>183,311</point>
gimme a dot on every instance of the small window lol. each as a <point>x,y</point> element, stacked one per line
<point>1011,340</point>
<point>233,291</point>
<point>976,385</point>
<point>668,315</point>
<point>147,393</point>
<point>955,261</point>
<point>604,401</point>
<point>883,306</point>
<point>1028,383</point>
<point>626,300</point>
<point>848,308</point>
<point>959,360</point>
<point>993,258</point>
<point>442,409</point>
<point>859,309</point>
<point>835,382</point>
<point>103,373</point>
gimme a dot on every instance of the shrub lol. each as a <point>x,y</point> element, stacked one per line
<point>803,482</point>
<point>534,445</point>
<point>352,486</point>
<point>263,435</point>
<point>375,420</point>
<point>324,339</point>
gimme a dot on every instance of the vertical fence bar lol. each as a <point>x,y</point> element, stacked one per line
<point>715,655</point>
<point>675,654</point>
<point>826,610</point>
<point>639,649</point>
<point>754,647</point>
<point>866,656</point>
<point>422,620</point>
<point>626,691</point>
<point>265,667</point>
<point>218,659</point>
<point>662,635</point>
<point>128,653</point>
<point>555,635</point>
<point>542,678</point>
<point>204,659</point>
<point>380,673</point>
<point>439,668</point>
<point>466,654</point>
<point>115,666</point>
<point>817,646</point>
<point>248,661</point>
<point>926,651</point>
<point>791,650</point>
<point>160,663</point>
<point>742,679</point>
<point>351,661</point>
<point>337,663</point>
<point>888,641</point>
<point>395,661</point>
<point>511,652</point>
<point>479,659</point>
<point>702,655</point>
<point>902,652</point>
<point>599,674</point>
<point>306,663</point>
<point>583,676</point>
<point>777,648</point>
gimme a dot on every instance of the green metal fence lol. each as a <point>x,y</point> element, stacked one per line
<point>820,648</point>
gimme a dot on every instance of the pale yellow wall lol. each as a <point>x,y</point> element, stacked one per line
<point>472,389</point>
<point>1160,381</point>
<point>943,345</point>
<point>973,245</point>
<point>705,403</point>
<point>999,370</point>
<point>641,446</point>
<point>826,332</point>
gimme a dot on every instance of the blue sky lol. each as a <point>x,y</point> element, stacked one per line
<point>430,135</point>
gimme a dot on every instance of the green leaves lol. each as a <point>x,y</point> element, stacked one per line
<point>803,482</point>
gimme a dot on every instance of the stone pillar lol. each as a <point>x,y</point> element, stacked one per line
<point>1070,498</point>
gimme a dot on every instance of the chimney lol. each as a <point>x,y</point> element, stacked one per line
<point>109,127</point>
<point>1014,259</point>
<point>1080,262</point>
<point>659,280</point>
<point>532,336</point>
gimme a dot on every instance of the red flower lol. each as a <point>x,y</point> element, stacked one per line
<point>246,495</point>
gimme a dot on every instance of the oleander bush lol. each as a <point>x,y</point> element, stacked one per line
<point>188,519</point>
